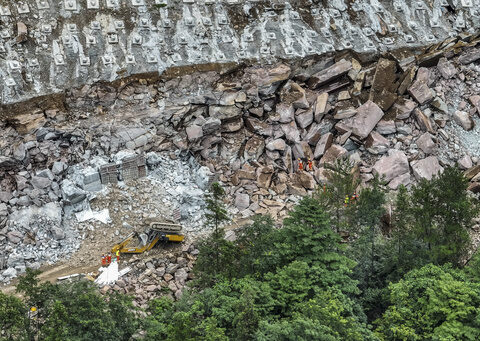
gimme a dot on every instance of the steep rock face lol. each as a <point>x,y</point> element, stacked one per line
<point>49,46</point>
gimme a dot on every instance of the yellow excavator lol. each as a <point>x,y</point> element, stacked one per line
<point>164,231</point>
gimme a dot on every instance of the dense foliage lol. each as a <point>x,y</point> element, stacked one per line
<point>334,270</point>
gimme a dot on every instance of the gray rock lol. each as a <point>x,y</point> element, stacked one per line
<point>329,74</point>
<point>59,167</point>
<point>19,151</point>
<point>58,233</point>
<point>41,182</point>
<point>376,143</point>
<point>71,193</point>
<point>5,196</point>
<point>14,237</point>
<point>403,179</point>
<point>392,165</point>
<point>425,143</point>
<point>465,162</point>
<point>463,119</point>
<point>242,201</point>
<point>291,132</point>
<point>224,112</point>
<point>286,112</point>
<point>446,68</point>
<point>469,56</point>
<point>277,144</point>
<point>45,173</point>
<point>211,125</point>
<point>24,200</point>
<point>171,268</point>
<point>420,91</point>
<point>386,127</point>
<point>426,168</point>
<point>15,260</point>
<point>194,133</point>
<point>403,108</point>
<point>440,105</point>
<point>304,119</point>
<point>363,122</point>
<point>181,276</point>
<point>10,273</point>
<point>323,145</point>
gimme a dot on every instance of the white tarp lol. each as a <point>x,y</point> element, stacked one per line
<point>109,275</point>
<point>102,216</point>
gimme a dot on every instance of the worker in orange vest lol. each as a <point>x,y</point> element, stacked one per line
<point>354,196</point>
<point>310,165</point>
<point>300,165</point>
<point>104,260</point>
<point>109,259</point>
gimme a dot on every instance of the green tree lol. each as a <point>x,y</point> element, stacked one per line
<point>216,213</point>
<point>342,183</point>
<point>369,247</point>
<point>254,242</point>
<point>432,303</point>
<point>442,212</point>
<point>216,253</point>
<point>14,322</point>
<point>77,311</point>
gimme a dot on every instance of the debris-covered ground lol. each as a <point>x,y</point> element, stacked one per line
<point>404,117</point>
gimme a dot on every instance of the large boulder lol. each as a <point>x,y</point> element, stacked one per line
<point>426,144</point>
<point>367,117</point>
<point>332,154</point>
<point>426,168</point>
<point>277,144</point>
<point>392,165</point>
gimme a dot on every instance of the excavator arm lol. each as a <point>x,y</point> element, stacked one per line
<point>153,237</point>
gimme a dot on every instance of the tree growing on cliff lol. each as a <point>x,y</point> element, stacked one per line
<point>216,253</point>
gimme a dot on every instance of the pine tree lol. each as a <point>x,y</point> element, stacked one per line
<point>342,183</point>
<point>217,255</point>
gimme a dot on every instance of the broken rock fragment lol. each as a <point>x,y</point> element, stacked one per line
<point>446,68</point>
<point>329,74</point>
<point>376,143</point>
<point>426,168</point>
<point>463,119</point>
<point>392,165</point>
<point>322,145</point>
<point>367,117</point>
<point>425,143</point>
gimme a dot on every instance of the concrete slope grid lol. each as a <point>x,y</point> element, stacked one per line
<point>47,46</point>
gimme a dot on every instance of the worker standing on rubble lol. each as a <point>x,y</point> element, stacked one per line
<point>300,164</point>
<point>310,165</point>
<point>109,258</point>
<point>118,256</point>
<point>104,260</point>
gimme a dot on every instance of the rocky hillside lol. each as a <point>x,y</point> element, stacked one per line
<point>404,117</point>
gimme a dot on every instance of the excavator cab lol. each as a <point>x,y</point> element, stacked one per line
<point>165,231</point>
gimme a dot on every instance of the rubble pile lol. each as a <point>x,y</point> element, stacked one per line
<point>153,276</point>
<point>405,117</point>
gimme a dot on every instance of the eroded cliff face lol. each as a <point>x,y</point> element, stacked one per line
<point>49,46</point>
